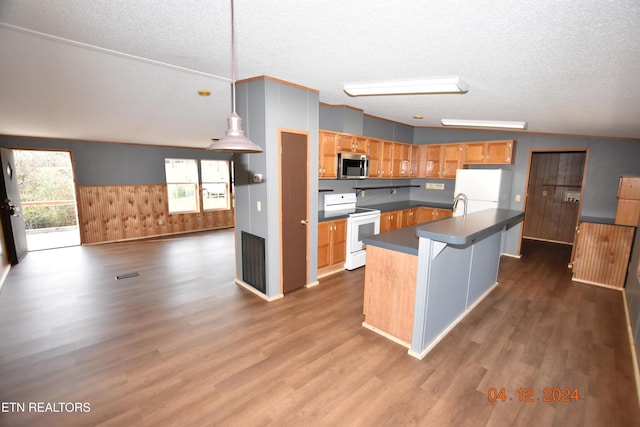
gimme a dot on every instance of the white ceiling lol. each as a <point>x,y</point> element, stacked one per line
<point>129,70</point>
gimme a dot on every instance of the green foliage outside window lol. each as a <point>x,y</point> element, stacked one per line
<point>43,177</point>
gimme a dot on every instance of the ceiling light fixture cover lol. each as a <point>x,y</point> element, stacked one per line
<point>497,124</point>
<point>409,87</point>
<point>234,140</point>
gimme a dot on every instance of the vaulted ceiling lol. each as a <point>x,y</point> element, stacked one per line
<point>129,70</point>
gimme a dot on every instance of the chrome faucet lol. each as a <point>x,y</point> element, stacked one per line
<point>456,199</point>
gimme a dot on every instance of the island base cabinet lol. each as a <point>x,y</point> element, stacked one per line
<point>389,293</point>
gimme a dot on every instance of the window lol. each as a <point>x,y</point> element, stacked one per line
<point>182,185</point>
<point>215,184</point>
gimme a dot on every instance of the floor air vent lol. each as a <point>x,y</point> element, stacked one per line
<point>126,276</point>
<point>253,261</point>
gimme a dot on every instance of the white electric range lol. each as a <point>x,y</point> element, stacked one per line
<point>361,223</point>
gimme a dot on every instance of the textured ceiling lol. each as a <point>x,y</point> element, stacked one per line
<point>129,70</point>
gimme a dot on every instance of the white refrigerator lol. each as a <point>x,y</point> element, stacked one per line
<point>484,188</point>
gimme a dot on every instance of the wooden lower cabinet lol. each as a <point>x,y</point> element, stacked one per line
<point>389,292</point>
<point>393,220</point>
<point>442,213</point>
<point>425,215</point>
<point>432,214</point>
<point>390,221</point>
<point>601,254</point>
<point>409,217</point>
<point>332,243</point>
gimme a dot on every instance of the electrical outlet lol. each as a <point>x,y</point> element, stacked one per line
<point>394,191</point>
<point>571,196</point>
<point>362,194</point>
<point>517,197</point>
<point>259,206</point>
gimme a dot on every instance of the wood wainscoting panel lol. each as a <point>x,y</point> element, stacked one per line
<point>602,254</point>
<point>110,213</point>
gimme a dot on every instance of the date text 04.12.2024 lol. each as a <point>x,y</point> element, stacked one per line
<point>528,395</point>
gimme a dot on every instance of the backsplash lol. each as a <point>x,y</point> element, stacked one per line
<point>378,196</point>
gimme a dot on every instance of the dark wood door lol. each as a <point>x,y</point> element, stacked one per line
<point>294,208</point>
<point>11,210</point>
<point>553,194</point>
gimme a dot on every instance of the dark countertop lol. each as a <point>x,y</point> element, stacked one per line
<point>388,207</point>
<point>408,204</point>
<point>402,240</point>
<point>597,220</point>
<point>454,231</point>
<point>463,231</point>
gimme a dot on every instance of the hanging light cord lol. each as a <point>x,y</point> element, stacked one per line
<point>233,61</point>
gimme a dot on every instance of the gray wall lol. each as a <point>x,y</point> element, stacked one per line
<point>267,106</point>
<point>341,118</point>
<point>98,163</point>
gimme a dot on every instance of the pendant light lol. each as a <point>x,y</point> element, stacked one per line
<point>234,140</point>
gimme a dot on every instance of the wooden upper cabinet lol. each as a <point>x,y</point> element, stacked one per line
<point>451,160</point>
<point>413,160</point>
<point>488,152</point>
<point>328,156</point>
<point>375,162</point>
<point>500,152</point>
<point>429,161</point>
<point>386,159</point>
<point>353,143</point>
<point>474,152</point>
<point>400,160</point>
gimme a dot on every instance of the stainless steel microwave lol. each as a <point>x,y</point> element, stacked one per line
<point>353,166</point>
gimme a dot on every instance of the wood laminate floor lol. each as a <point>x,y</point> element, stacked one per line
<point>182,345</point>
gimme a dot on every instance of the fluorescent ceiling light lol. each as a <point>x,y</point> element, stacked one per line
<point>408,87</point>
<point>484,124</point>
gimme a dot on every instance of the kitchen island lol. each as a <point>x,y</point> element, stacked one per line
<point>421,281</point>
